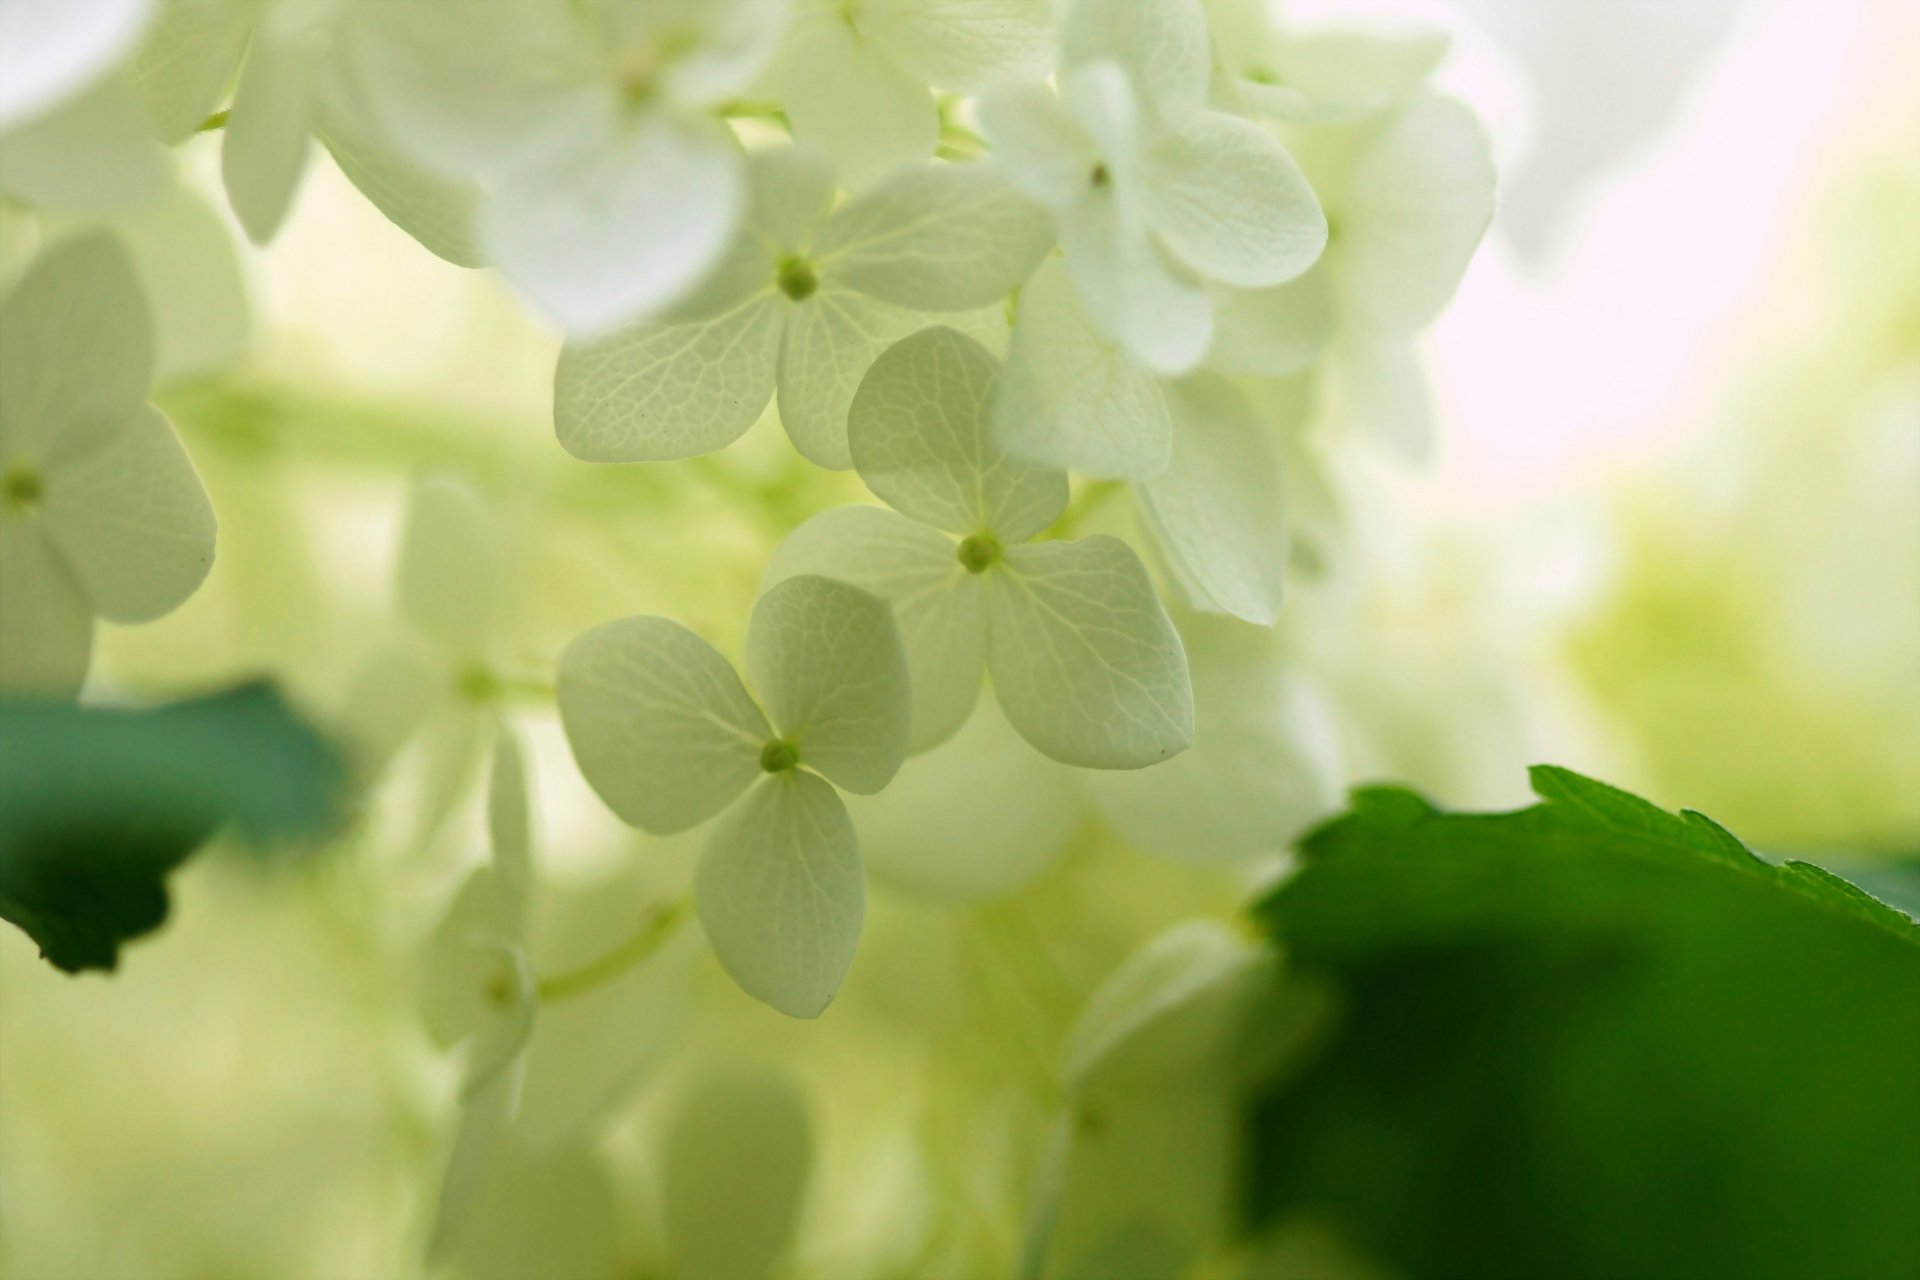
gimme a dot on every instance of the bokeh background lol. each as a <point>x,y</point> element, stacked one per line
<point>1668,534</point>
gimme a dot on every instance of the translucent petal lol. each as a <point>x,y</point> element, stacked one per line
<point>189,268</point>
<point>452,555</point>
<point>789,190</point>
<point>936,237</point>
<point>1346,75</point>
<point>1263,765</point>
<point>76,341</point>
<point>977,818</point>
<point>1271,332</point>
<point>1157,311</point>
<point>831,340</point>
<point>263,149</point>
<point>1070,397</point>
<point>1227,199</point>
<point>1046,150</point>
<point>962,45</point>
<point>601,237</point>
<point>1415,205</point>
<point>476,983</point>
<point>781,893</point>
<point>186,63</point>
<point>734,1174</point>
<point>1163,46</point>
<point>510,832</point>
<point>1379,388</point>
<point>449,753</point>
<point>847,98</point>
<point>94,153</point>
<point>436,211</point>
<point>126,508</point>
<point>706,51</point>
<point>660,725</point>
<point>1085,662</point>
<point>51,49</point>
<point>46,628</point>
<point>1219,512</point>
<point>386,703</point>
<point>937,604</point>
<point>921,435</point>
<point>826,659</point>
<point>483,1118</point>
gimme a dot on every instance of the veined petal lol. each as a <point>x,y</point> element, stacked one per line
<point>659,722</point>
<point>920,430</point>
<point>52,49</point>
<point>46,626</point>
<point>1071,397</point>
<point>1227,199</point>
<point>1219,512</point>
<point>781,893</point>
<point>437,211</point>
<point>846,97</point>
<point>1047,152</point>
<point>936,237</point>
<point>1159,312</point>
<point>1085,661</point>
<point>184,67</point>
<point>937,604</point>
<point>963,45</point>
<point>126,508</point>
<point>601,237</point>
<point>76,341</point>
<point>826,658</point>
<point>830,342</point>
<point>1163,46</point>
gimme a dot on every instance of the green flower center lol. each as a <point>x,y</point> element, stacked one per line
<point>477,684</point>
<point>778,756</point>
<point>979,553</point>
<point>22,489</point>
<point>796,278</point>
<point>1100,177</point>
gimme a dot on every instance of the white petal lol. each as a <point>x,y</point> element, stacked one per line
<point>1378,388</point>
<point>46,627</point>
<point>91,154</point>
<point>733,1178</point>
<point>1084,660</point>
<point>263,150</point>
<point>189,268</point>
<point>1162,45</point>
<point>1263,765</point>
<point>185,66</point>
<point>1227,199</point>
<point>706,51</point>
<point>1046,150</point>
<point>936,237</point>
<point>962,45</point>
<point>52,49</point>
<point>126,508</point>
<point>936,604</point>
<point>781,893</point>
<point>1342,76</point>
<point>920,430</point>
<point>831,340</point>
<point>453,554</point>
<point>510,833</point>
<point>1271,332</point>
<point>977,818</point>
<point>1157,311</point>
<point>76,341</point>
<point>846,97</point>
<point>664,390</point>
<point>1413,209</point>
<point>659,722</point>
<point>1219,511</point>
<point>600,238</point>
<point>826,659</point>
<point>1070,397</point>
<point>436,211</point>
<point>483,1118</point>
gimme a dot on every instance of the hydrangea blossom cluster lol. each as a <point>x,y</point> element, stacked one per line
<point>1077,290</point>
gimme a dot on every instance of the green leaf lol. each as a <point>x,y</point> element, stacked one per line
<point>1589,1034</point>
<point>101,803</point>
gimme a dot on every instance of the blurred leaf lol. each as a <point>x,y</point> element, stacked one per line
<point>99,804</point>
<point>1592,1038</point>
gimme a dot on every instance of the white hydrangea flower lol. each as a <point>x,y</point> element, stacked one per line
<point>1153,192</point>
<point>101,512</point>
<point>610,187</point>
<point>1318,75</point>
<point>52,50</point>
<point>93,153</point>
<point>665,731</point>
<point>804,301</point>
<point>1084,661</point>
<point>854,76</point>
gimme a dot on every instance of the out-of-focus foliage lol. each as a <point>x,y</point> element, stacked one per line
<point>1592,1038</point>
<point>100,804</point>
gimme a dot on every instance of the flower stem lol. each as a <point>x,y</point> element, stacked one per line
<point>595,973</point>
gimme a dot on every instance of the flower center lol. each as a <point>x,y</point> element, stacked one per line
<point>979,553</point>
<point>1100,177</point>
<point>22,490</point>
<point>778,756</point>
<point>796,278</point>
<point>477,684</point>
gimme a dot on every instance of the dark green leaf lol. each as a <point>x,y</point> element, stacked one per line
<point>1593,1038</point>
<point>97,805</point>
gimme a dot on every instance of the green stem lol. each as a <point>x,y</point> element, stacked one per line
<point>595,973</point>
<point>218,120</point>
